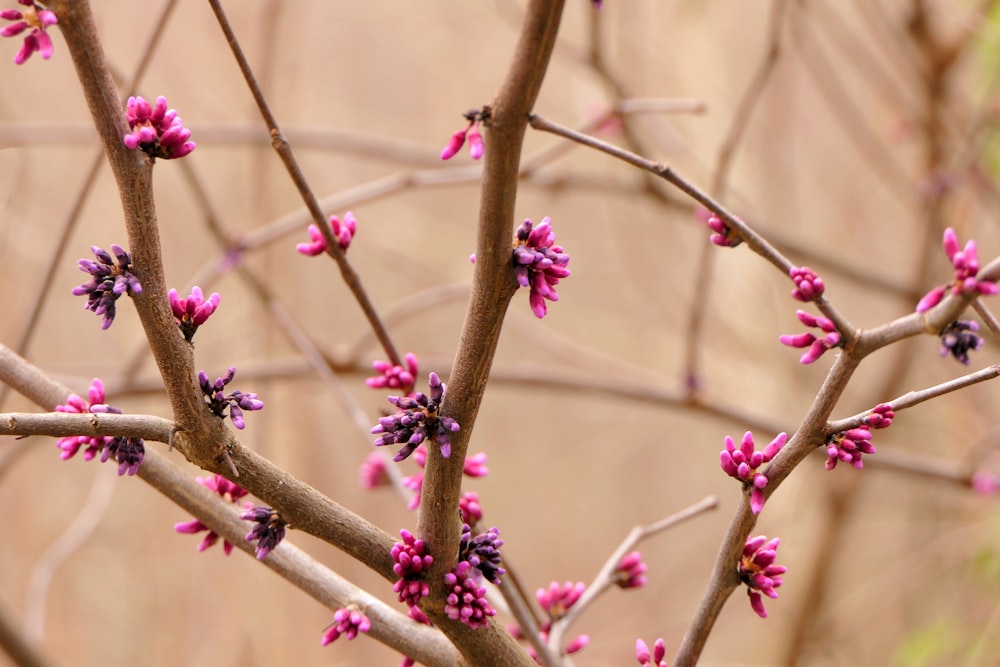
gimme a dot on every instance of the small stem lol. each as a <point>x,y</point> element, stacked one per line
<point>284,151</point>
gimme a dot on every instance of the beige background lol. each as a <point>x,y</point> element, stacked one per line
<point>832,168</point>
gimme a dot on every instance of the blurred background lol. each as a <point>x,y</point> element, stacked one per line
<point>850,134</point>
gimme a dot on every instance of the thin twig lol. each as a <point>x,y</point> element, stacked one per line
<point>287,155</point>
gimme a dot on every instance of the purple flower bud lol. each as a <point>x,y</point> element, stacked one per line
<point>269,531</point>
<point>742,464</point>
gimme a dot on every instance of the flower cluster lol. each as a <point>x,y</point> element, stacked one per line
<point>268,532</point>
<point>556,601</point>
<point>192,312</point>
<point>539,264</point>
<point>466,601</point>
<point>342,231</point>
<point>723,235</point>
<point>469,508</point>
<point>959,338</point>
<point>470,132</point>
<point>741,463</point>
<point>347,621</point>
<point>630,572</point>
<point>985,483</point>
<point>36,17</point>
<point>848,446</point>
<point>373,472</point>
<point>482,552</point>
<point>808,286</point>
<point>230,493</point>
<point>129,452</point>
<point>70,445</point>
<point>758,571</point>
<point>966,264</point>
<point>411,561</point>
<point>391,376</point>
<point>817,346</point>
<point>418,419</point>
<point>656,659</point>
<point>236,401</point>
<point>156,131</point>
<point>109,280</point>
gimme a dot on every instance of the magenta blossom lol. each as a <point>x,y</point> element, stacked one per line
<point>985,483</point>
<point>758,571</point>
<point>373,471</point>
<point>469,508</point>
<point>342,231</point>
<point>539,264</point>
<point>347,621</point>
<point>808,286</point>
<point>848,446</point>
<point>742,462</point>
<point>156,131</point>
<point>817,346</point>
<point>556,600</point>
<point>631,571</point>
<point>466,601</point>
<point>723,235</point>
<point>966,264</point>
<point>230,493</point>
<point>36,17</point>
<point>192,312</point>
<point>470,132</point>
<point>656,659</point>
<point>70,445</point>
<point>128,452</point>
<point>411,562</point>
<point>395,377</point>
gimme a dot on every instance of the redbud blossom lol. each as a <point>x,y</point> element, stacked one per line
<point>645,659</point>
<point>269,531</point>
<point>959,338</point>
<point>539,263</point>
<point>418,419</point>
<point>411,561</point>
<point>36,17</point>
<point>966,265</point>
<point>156,131</point>
<point>111,277</point>
<point>848,446</point>
<point>237,401</point>
<point>631,571</point>
<point>808,286</point>
<point>192,312</point>
<point>347,621</point>
<point>742,462</point>
<point>817,346</point>
<point>758,571</point>
<point>466,601</point>
<point>342,231</point>
<point>230,493</point>
<point>395,377</point>
<point>373,472</point>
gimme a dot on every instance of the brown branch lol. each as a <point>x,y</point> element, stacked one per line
<point>493,286</point>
